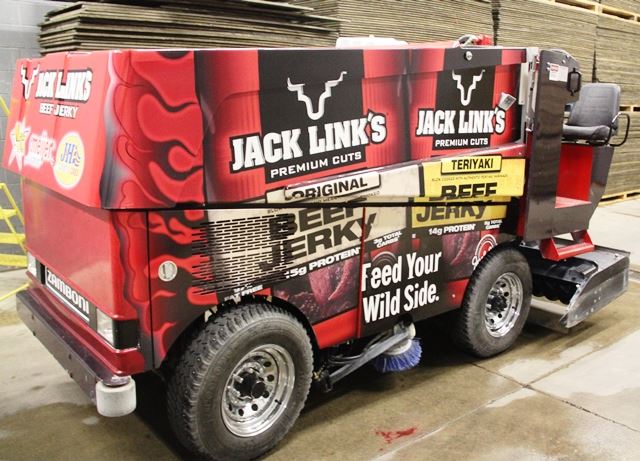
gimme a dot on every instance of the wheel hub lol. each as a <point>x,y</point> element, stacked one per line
<point>499,303</point>
<point>504,304</point>
<point>251,385</point>
<point>258,390</point>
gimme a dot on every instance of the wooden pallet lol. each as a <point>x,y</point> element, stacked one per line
<point>629,108</point>
<point>588,5</point>
<point>597,8</point>
<point>619,13</point>
<point>614,198</point>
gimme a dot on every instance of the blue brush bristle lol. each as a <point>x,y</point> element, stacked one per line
<point>386,363</point>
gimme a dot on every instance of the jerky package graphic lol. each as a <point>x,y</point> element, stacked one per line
<point>139,129</point>
<point>418,272</point>
<point>464,116</point>
<point>323,292</point>
<point>277,117</point>
<point>462,100</point>
<point>399,278</point>
<point>309,257</point>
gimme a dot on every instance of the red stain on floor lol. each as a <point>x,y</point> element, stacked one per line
<point>390,436</point>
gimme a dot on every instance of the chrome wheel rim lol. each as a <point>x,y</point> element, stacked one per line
<point>503,305</point>
<point>258,390</point>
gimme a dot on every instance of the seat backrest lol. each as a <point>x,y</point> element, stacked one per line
<point>598,104</point>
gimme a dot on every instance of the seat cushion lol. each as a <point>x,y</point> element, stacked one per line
<point>598,105</point>
<point>586,133</point>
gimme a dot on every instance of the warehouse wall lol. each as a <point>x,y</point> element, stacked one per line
<point>19,21</point>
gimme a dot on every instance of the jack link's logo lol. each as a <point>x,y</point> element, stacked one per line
<point>465,97</point>
<point>468,124</point>
<point>27,82</point>
<point>299,89</point>
<point>286,152</point>
<point>64,85</point>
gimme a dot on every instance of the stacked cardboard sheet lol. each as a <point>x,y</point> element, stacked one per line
<point>627,5</point>
<point>618,56</point>
<point>410,20</point>
<point>170,24</point>
<point>625,167</point>
<point>617,60</point>
<point>548,25</point>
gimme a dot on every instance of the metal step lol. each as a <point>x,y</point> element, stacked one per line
<point>13,260</point>
<point>11,239</point>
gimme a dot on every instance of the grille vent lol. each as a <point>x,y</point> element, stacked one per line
<point>242,253</point>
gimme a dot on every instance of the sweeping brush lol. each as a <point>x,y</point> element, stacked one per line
<point>400,357</point>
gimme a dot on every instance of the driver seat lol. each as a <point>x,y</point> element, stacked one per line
<point>594,117</point>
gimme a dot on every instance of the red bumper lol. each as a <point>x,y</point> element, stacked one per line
<point>79,350</point>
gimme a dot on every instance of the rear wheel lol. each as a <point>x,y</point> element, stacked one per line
<point>241,382</point>
<point>496,303</point>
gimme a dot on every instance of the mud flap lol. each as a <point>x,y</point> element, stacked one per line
<point>585,283</point>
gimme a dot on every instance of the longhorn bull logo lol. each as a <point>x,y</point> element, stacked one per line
<point>465,96</point>
<point>326,94</point>
<point>27,83</point>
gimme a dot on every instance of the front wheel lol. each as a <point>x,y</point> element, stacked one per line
<point>241,382</point>
<point>496,303</point>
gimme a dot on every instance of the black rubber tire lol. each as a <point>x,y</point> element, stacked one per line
<point>469,330</point>
<point>195,388</point>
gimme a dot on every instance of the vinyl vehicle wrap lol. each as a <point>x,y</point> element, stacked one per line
<point>156,130</point>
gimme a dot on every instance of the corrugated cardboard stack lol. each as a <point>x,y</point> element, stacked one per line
<point>411,20</point>
<point>618,56</point>
<point>628,5</point>
<point>241,23</point>
<point>625,168</point>
<point>612,40</point>
<point>548,25</point>
<point>617,60</point>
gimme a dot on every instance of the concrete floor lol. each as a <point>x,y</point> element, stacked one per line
<point>553,396</point>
